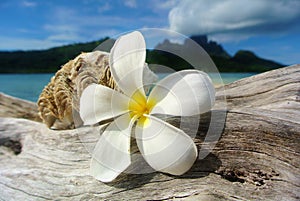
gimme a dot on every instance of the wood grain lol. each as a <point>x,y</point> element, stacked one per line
<point>256,158</point>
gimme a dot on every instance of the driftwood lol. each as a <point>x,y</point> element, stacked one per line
<point>256,157</point>
<point>18,108</point>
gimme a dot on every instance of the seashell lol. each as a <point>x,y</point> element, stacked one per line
<point>58,103</point>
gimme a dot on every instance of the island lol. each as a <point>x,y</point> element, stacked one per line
<point>50,60</point>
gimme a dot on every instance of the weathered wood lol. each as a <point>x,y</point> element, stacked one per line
<point>256,158</point>
<point>18,108</point>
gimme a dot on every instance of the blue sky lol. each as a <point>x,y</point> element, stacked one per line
<point>269,28</point>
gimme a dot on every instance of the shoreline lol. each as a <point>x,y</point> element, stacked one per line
<point>29,86</point>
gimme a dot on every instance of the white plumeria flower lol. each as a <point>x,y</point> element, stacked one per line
<point>164,147</point>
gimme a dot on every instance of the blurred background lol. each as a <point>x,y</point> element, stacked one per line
<point>241,36</point>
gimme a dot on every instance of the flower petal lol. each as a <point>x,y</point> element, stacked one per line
<point>184,93</point>
<point>127,59</point>
<point>149,78</point>
<point>111,155</point>
<point>98,103</point>
<point>165,147</point>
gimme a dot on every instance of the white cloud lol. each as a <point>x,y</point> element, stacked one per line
<point>12,43</point>
<point>104,7</point>
<point>63,13</point>
<point>68,26</point>
<point>62,33</point>
<point>60,27</point>
<point>29,4</point>
<point>130,3</point>
<point>230,37</point>
<point>64,37</point>
<point>222,18</point>
<point>165,4</point>
<point>101,33</point>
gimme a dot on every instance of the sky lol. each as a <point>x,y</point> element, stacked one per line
<point>270,28</point>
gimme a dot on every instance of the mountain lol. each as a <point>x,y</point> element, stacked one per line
<point>211,47</point>
<point>242,61</point>
<point>248,58</point>
<point>46,61</point>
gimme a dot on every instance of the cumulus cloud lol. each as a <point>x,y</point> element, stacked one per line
<point>225,18</point>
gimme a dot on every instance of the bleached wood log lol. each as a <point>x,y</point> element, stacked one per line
<point>256,158</point>
<point>18,108</point>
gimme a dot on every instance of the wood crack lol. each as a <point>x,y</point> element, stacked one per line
<point>27,193</point>
<point>228,97</point>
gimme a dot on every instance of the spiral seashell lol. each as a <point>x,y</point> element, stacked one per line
<point>58,103</point>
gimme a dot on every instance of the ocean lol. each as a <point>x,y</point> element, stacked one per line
<point>29,86</point>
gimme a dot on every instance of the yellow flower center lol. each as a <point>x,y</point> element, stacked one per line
<point>140,106</point>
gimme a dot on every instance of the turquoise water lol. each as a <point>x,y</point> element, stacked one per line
<point>227,78</point>
<point>29,86</point>
<point>25,86</point>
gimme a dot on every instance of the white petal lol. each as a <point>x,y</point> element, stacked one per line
<point>184,93</point>
<point>149,78</point>
<point>127,59</point>
<point>165,147</point>
<point>99,102</point>
<point>111,155</point>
